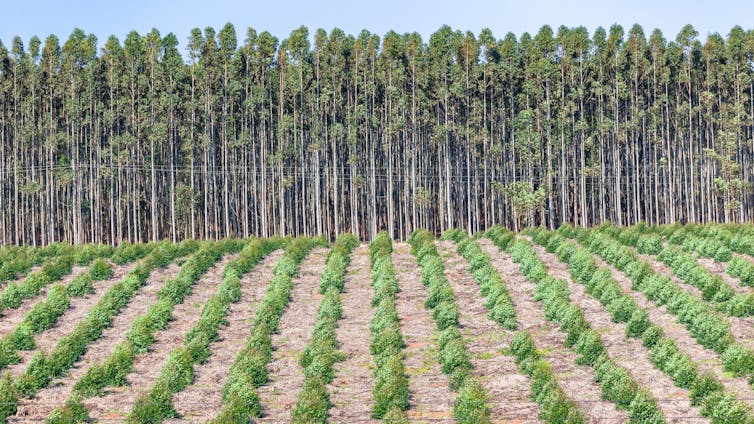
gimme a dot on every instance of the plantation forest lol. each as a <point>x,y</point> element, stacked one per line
<point>246,134</point>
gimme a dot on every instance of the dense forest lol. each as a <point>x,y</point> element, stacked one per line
<point>327,133</point>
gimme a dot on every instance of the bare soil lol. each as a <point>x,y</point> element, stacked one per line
<point>351,390</point>
<point>706,359</point>
<point>202,400</point>
<point>430,397</point>
<point>741,328</point>
<point>37,409</point>
<point>76,312</point>
<point>118,401</point>
<point>279,396</point>
<point>12,317</point>
<point>629,353</point>
<point>508,389</point>
<point>578,381</point>
<point>718,268</point>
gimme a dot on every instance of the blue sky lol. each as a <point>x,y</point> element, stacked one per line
<point>103,18</point>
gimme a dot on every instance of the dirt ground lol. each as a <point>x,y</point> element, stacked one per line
<point>508,389</point>
<point>202,400</point>
<point>118,401</point>
<point>279,396</point>
<point>58,391</point>
<point>351,390</point>
<point>430,397</point>
<point>673,402</point>
<point>718,268</point>
<point>10,318</point>
<point>576,380</point>
<point>741,328</point>
<point>707,359</point>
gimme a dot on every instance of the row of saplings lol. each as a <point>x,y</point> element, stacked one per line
<point>705,389</point>
<point>555,406</point>
<point>43,367</point>
<point>616,382</point>
<point>44,314</point>
<point>470,405</point>
<point>705,324</point>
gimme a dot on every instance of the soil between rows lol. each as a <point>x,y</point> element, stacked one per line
<point>576,380</point>
<point>278,397</point>
<point>508,389</point>
<point>430,397</point>
<point>58,391</point>
<point>202,400</point>
<point>351,390</point>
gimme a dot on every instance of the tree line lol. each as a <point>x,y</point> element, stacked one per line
<point>327,133</point>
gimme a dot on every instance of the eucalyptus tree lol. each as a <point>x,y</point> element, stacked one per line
<point>132,141</point>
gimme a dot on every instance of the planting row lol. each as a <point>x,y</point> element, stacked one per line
<point>249,369</point>
<point>322,353</point>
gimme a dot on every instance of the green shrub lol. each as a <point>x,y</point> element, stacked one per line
<point>391,386</point>
<point>703,386</point>
<point>313,402</point>
<point>153,407</point>
<point>471,403</point>
<point>617,385</point>
<point>80,286</point>
<point>738,360</point>
<point>73,411</point>
<point>643,409</point>
<point>100,270</point>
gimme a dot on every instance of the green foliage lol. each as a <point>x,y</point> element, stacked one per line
<point>249,369</point>
<point>313,402</point>
<point>43,368</point>
<point>100,270</point>
<point>112,372</point>
<point>391,383</point>
<point>8,396</point>
<point>80,286</point>
<point>154,407</point>
<point>454,356</point>
<point>337,261</point>
<point>73,411</point>
<point>742,269</point>
<point>471,403</point>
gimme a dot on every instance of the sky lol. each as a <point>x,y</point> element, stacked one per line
<point>104,18</point>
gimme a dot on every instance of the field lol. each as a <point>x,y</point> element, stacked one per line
<point>603,325</point>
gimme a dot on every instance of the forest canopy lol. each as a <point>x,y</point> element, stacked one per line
<point>329,132</point>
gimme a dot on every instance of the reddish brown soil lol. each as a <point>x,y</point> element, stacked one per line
<point>118,401</point>
<point>706,359</point>
<point>296,324</point>
<point>351,390</point>
<point>12,317</point>
<point>629,353</point>
<point>202,400</point>
<point>741,328</point>
<point>576,380</point>
<point>508,389</point>
<point>57,392</point>
<point>430,397</point>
